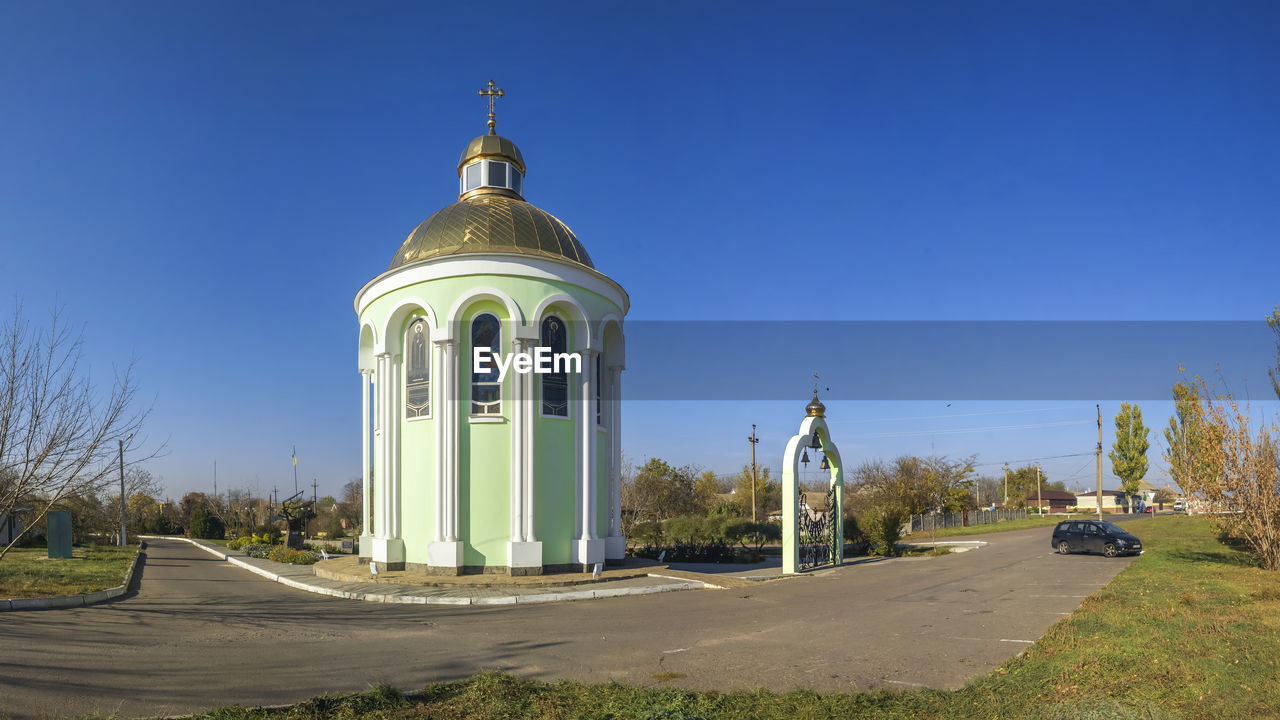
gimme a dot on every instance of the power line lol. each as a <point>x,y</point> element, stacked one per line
<point>1050,457</point>
<point>960,431</point>
<point>959,415</point>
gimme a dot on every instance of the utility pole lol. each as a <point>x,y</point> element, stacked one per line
<point>314,485</point>
<point>215,479</point>
<point>1006,484</point>
<point>754,441</point>
<point>123,529</point>
<point>1039,501</point>
<point>1098,452</point>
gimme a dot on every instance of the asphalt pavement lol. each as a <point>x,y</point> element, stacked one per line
<point>201,633</point>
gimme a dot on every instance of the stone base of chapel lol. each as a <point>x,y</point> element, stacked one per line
<point>500,569</point>
<point>387,552</point>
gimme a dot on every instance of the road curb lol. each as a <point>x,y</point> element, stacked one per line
<point>955,545</point>
<point>69,601</point>
<point>429,600</point>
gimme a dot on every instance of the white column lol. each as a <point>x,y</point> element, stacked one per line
<point>366,511</point>
<point>589,360</point>
<point>529,459</point>
<point>446,551</point>
<point>395,417</point>
<point>617,548</point>
<point>381,385</point>
<point>441,409</point>
<point>590,548</point>
<point>524,553</point>
<point>451,444</point>
<point>388,548</point>
<point>518,448</point>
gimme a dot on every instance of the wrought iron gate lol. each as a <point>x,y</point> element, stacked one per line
<point>817,533</point>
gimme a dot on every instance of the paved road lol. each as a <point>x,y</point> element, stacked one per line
<point>203,633</point>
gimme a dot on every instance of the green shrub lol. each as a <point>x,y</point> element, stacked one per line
<point>282,554</point>
<point>882,525</point>
<point>292,556</point>
<point>852,531</point>
<point>647,533</point>
<point>205,525</point>
<point>257,550</point>
<point>752,535</point>
<point>269,534</point>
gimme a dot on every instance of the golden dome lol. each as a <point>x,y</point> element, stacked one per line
<point>491,223</point>
<point>492,146</point>
<point>815,408</point>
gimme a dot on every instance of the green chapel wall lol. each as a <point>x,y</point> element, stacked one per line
<point>417,480</point>
<point>484,455</point>
<point>485,448</point>
<point>555,483</point>
<point>554,489</point>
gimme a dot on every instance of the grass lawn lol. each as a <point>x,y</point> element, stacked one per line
<point>1190,630</point>
<point>29,573</point>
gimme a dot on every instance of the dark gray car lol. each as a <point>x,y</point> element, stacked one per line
<point>1094,536</point>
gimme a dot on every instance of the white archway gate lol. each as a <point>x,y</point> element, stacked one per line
<point>812,537</point>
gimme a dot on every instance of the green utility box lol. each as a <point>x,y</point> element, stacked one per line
<point>58,533</point>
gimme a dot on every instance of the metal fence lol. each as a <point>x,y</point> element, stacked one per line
<point>939,521</point>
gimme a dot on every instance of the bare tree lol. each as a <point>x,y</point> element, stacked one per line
<point>59,434</point>
<point>1231,471</point>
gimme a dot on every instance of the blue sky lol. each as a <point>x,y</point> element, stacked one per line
<point>204,186</point>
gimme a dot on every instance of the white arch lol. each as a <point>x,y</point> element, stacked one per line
<point>809,428</point>
<point>581,321</point>
<point>393,335</point>
<point>367,347</point>
<point>514,314</point>
<point>616,355</point>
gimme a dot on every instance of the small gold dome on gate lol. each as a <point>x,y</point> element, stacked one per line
<point>815,408</point>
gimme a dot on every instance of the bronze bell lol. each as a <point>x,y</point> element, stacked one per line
<point>825,465</point>
<point>804,457</point>
<point>816,442</point>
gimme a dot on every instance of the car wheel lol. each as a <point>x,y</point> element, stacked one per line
<point>1110,550</point>
<point>1064,547</point>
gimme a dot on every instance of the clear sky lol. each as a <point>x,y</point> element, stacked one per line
<point>203,186</point>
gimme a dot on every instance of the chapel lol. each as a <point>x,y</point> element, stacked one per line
<point>468,469</point>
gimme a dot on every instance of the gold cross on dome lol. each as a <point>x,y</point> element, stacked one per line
<point>492,92</point>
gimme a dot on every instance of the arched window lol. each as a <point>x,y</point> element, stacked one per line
<point>417,371</point>
<point>486,391</point>
<point>555,385</point>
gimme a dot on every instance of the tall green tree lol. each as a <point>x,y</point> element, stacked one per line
<point>658,491</point>
<point>1022,485</point>
<point>1129,454</point>
<point>1188,440</point>
<point>768,494</point>
<point>706,490</point>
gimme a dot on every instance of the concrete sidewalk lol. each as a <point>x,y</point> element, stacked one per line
<point>303,577</point>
